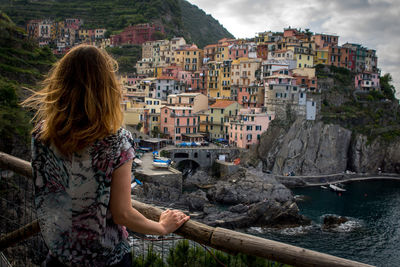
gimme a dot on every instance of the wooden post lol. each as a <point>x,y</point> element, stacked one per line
<point>17,165</point>
<point>232,241</point>
<point>219,238</point>
<point>19,235</point>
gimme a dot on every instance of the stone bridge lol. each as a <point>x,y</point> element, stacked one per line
<point>203,157</point>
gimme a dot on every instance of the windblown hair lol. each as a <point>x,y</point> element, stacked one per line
<point>80,100</point>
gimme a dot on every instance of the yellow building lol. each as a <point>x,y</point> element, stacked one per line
<point>132,116</point>
<point>244,71</point>
<point>204,121</point>
<point>222,52</point>
<point>189,58</point>
<point>219,115</point>
<point>302,54</point>
<point>219,79</point>
<point>322,56</point>
<point>152,115</point>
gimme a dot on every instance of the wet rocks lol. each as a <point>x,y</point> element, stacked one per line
<point>331,221</point>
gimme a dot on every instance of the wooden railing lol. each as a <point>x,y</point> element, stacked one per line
<point>219,238</point>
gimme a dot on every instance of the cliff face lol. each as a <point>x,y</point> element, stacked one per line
<point>311,148</point>
<point>368,157</point>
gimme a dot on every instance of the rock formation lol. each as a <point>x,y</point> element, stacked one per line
<point>312,148</point>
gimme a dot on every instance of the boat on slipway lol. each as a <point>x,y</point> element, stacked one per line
<point>161,162</point>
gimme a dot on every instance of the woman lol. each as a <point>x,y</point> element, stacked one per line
<point>81,160</point>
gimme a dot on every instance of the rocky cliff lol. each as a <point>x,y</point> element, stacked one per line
<point>311,148</point>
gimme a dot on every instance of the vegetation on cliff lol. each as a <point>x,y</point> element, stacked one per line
<point>374,114</point>
<point>22,64</point>
<point>179,17</point>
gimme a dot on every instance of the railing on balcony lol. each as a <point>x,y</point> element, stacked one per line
<point>229,241</point>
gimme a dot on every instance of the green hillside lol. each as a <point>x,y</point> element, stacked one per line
<point>22,64</point>
<point>179,17</point>
<point>203,28</point>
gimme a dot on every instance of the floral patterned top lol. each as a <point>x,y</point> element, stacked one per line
<point>72,200</point>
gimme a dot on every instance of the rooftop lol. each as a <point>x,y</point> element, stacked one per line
<point>222,103</point>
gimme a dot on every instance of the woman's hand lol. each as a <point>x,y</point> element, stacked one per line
<point>170,220</point>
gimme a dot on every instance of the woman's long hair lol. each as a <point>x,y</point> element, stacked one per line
<point>80,100</point>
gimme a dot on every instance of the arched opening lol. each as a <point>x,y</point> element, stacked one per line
<point>187,167</point>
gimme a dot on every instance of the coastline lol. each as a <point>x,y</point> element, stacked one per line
<point>318,180</point>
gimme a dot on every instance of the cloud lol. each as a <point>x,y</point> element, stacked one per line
<point>372,23</point>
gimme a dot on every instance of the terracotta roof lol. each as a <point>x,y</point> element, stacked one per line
<point>165,78</point>
<point>222,103</point>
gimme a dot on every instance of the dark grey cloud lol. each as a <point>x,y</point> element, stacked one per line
<point>372,23</point>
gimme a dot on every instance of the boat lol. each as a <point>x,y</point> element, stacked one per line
<point>336,188</point>
<point>161,162</point>
<point>324,187</point>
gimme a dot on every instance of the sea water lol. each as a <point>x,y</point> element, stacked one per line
<point>372,233</point>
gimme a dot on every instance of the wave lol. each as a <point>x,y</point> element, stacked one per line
<point>349,226</point>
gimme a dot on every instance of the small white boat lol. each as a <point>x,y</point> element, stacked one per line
<point>336,188</point>
<point>159,164</point>
<point>324,187</point>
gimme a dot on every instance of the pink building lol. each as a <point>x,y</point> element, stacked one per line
<point>367,81</point>
<point>184,77</point>
<point>246,128</point>
<point>238,51</point>
<point>198,83</point>
<point>178,121</point>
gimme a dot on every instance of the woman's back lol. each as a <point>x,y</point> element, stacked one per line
<point>72,199</point>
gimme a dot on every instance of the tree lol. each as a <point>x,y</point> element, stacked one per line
<point>387,88</point>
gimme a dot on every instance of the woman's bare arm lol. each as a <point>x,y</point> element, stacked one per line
<point>124,214</point>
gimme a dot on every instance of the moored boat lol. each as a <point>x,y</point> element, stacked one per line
<point>336,188</point>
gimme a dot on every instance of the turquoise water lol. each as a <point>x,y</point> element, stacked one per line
<point>372,235</point>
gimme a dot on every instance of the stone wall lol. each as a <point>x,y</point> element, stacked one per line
<point>166,187</point>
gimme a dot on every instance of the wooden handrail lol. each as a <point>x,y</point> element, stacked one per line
<point>219,238</point>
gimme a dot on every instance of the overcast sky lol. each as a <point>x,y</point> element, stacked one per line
<point>372,23</point>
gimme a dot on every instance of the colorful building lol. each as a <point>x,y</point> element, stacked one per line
<point>219,79</point>
<point>176,121</point>
<point>367,81</point>
<point>189,58</point>
<point>196,101</point>
<point>246,128</point>
<point>220,113</point>
<point>137,34</point>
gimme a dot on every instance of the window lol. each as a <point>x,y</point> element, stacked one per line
<point>177,121</point>
<point>165,120</point>
<point>249,136</point>
<point>249,128</point>
<point>165,111</point>
<point>222,111</point>
<point>258,128</point>
<point>165,130</point>
<point>178,130</point>
<point>212,110</point>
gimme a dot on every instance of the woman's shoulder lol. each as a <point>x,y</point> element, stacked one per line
<point>115,141</point>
